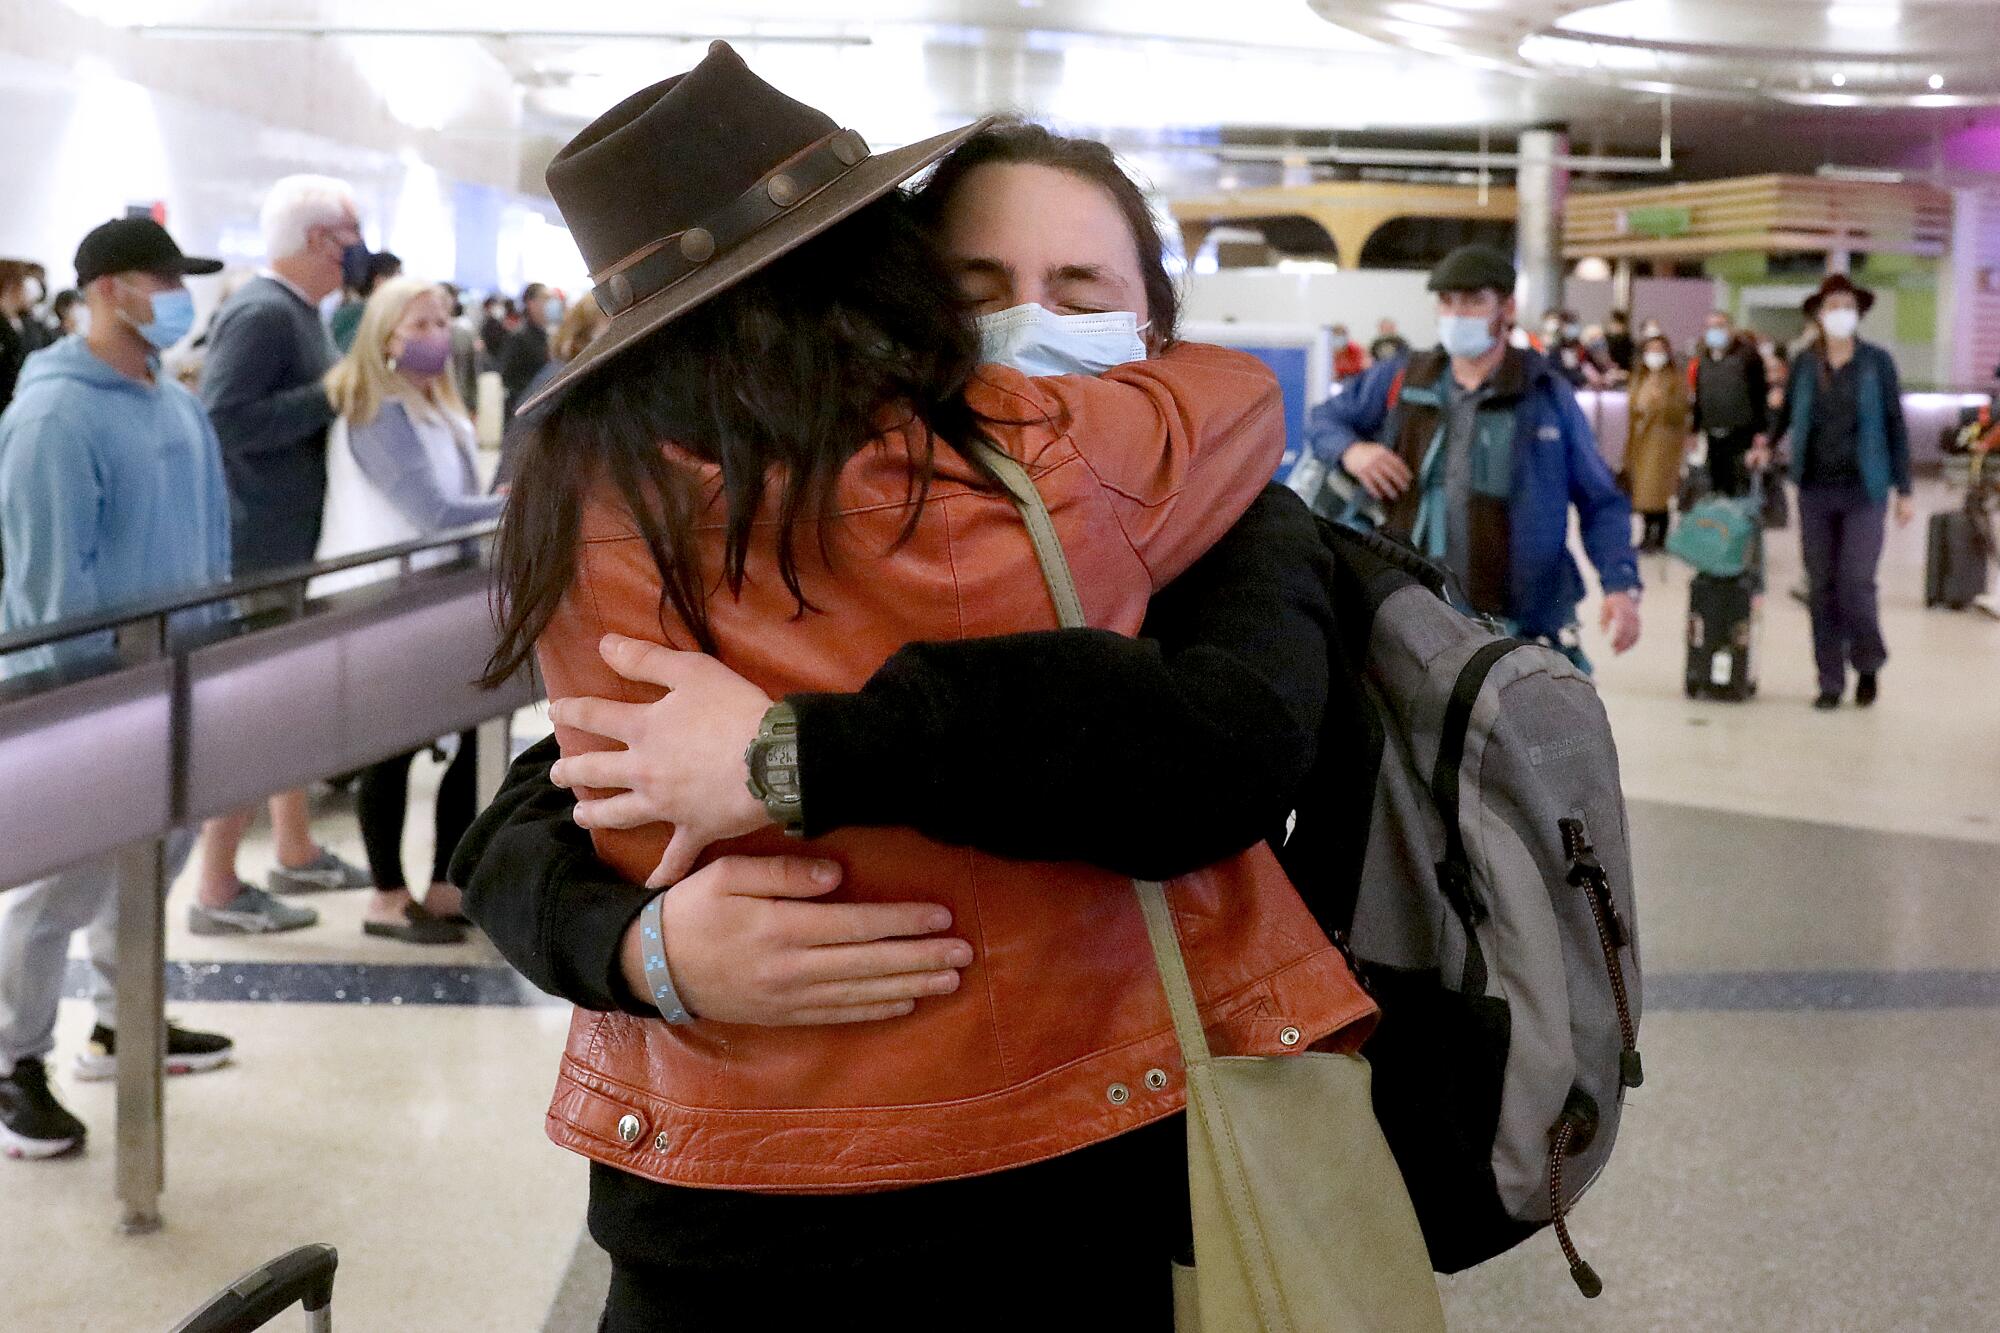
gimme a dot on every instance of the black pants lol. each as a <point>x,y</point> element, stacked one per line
<point>1082,1241</point>
<point>1655,535</point>
<point>382,800</point>
<point>1726,472</point>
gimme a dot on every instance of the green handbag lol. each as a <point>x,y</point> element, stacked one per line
<point>1302,1223</point>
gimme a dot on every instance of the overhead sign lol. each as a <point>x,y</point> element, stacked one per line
<point>1655,220</point>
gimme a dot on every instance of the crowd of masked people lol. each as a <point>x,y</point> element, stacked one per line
<point>139,460</point>
<point>1823,414</point>
<point>761,526</point>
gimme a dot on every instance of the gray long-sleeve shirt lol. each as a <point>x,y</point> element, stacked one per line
<point>407,470</point>
<point>260,382</point>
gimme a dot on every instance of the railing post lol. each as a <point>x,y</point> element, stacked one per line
<point>141,995</point>
<point>142,1034</point>
<point>495,741</point>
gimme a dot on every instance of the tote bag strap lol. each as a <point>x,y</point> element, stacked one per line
<point>1069,613</point>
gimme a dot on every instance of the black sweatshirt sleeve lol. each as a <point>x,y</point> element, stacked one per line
<point>1152,756</point>
<point>533,883</point>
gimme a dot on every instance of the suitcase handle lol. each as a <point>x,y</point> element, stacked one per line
<point>304,1275</point>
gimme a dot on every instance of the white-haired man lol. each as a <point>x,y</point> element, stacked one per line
<point>261,382</point>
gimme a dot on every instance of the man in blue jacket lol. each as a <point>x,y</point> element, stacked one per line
<point>1475,451</point>
<point>111,492</point>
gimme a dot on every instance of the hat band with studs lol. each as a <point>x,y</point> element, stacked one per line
<point>653,268</point>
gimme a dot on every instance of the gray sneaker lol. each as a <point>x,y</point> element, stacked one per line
<point>251,912</point>
<point>326,872</point>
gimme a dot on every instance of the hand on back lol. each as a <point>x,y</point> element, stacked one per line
<point>683,758</point>
<point>745,946</point>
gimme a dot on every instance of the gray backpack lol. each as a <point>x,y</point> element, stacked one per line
<point>1486,903</point>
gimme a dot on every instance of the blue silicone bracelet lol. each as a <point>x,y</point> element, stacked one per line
<point>653,953</point>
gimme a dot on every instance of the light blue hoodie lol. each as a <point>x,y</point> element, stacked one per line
<point>111,493</point>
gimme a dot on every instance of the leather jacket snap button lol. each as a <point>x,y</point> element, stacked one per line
<point>1118,1093</point>
<point>1156,1079</point>
<point>1289,1037</point>
<point>660,1141</point>
<point>628,1129</point>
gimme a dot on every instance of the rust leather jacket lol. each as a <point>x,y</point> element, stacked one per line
<point>1059,1036</point>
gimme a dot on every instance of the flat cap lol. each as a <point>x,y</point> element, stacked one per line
<point>1473,268</point>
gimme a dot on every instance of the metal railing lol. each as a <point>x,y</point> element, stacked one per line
<point>102,758</point>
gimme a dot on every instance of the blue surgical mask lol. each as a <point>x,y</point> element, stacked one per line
<point>1717,339</point>
<point>1035,341</point>
<point>552,310</point>
<point>173,316</point>
<point>1465,337</point>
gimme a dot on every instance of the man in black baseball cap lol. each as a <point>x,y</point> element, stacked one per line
<point>135,245</point>
<point>1482,452</point>
<point>111,493</point>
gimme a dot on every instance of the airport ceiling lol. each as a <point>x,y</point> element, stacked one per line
<point>1210,89</point>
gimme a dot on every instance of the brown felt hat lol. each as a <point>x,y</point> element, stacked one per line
<point>687,187</point>
<point>1837,282</point>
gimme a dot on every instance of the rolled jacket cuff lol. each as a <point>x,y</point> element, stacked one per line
<point>588,943</point>
<point>860,757</point>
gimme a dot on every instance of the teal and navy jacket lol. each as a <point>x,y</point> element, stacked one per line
<point>1882,437</point>
<point>1536,459</point>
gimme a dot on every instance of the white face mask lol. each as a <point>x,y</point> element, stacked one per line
<point>1036,341</point>
<point>1841,323</point>
<point>1656,360</point>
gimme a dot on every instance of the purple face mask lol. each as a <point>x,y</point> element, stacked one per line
<point>425,356</point>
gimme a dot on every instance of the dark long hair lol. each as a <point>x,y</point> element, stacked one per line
<point>792,370</point>
<point>1020,142</point>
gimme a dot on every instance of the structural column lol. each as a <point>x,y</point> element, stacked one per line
<point>1541,184</point>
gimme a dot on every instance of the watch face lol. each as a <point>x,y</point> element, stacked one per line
<point>778,769</point>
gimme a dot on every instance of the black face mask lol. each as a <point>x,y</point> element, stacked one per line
<point>354,265</point>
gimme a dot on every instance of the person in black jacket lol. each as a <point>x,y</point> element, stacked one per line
<point>1152,757</point>
<point>21,334</point>
<point>1731,397</point>
<point>526,350</point>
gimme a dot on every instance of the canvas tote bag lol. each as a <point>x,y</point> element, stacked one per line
<point>1302,1223</point>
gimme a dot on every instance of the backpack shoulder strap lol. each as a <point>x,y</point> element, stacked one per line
<point>1455,870</point>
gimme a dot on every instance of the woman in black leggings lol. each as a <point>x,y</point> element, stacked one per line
<point>401,466</point>
<point>382,800</point>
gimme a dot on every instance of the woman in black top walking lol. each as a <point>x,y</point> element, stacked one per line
<point>1850,447</point>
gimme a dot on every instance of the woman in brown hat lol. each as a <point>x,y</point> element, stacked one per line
<point>1850,447</point>
<point>772,455</point>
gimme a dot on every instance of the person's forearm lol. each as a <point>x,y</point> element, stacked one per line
<point>279,421</point>
<point>534,884</point>
<point>1152,757</point>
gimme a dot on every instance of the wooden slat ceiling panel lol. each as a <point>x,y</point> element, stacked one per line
<point>1766,213</point>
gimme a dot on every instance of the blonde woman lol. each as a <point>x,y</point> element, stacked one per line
<point>400,467</point>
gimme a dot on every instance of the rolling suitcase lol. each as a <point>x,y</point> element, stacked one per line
<point>1722,637</point>
<point>1960,545</point>
<point>1955,561</point>
<point>298,1277</point>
